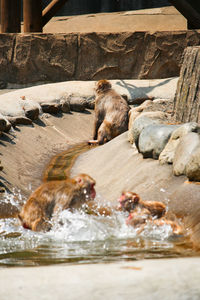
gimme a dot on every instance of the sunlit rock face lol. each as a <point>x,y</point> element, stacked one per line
<point>42,58</point>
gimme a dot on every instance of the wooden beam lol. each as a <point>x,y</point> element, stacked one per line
<point>50,10</point>
<point>10,16</point>
<point>32,10</point>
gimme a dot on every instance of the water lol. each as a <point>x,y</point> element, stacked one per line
<point>81,238</point>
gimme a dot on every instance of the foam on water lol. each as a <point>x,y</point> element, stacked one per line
<point>79,237</point>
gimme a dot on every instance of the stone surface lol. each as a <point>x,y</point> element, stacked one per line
<point>22,103</point>
<point>153,139</point>
<point>167,155</point>
<point>52,108</point>
<point>183,152</point>
<point>137,122</point>
<point>42,58</point>
<point>156,19</point>
<point>176,279</point>
<point>193,166</point>
<point>2,123</point>
<point>77,103</point>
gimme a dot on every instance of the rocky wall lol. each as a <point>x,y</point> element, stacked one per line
<point>41,58</point>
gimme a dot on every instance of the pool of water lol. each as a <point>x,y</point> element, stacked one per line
<point>81,238</point>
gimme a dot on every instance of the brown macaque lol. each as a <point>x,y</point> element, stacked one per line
<point>111,113</point>
<point>54,196</point>
<point>130,201</point>
<point>138,216</point>
<point>139,219</point>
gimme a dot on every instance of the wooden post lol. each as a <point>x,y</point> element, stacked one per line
<point>10,16</point>
<point>51,9</point>
<point>32,10</point>
<point>187,98</point>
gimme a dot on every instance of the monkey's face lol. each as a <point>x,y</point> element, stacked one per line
<point>86,185</point>
<point>128,201</point>
<point>102,86</point>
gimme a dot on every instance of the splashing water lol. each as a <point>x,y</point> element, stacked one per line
<point>79,237</point>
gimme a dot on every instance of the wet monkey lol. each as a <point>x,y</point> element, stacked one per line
<point>53,196</point>
<point>130,200</point>
<point>111,113</point>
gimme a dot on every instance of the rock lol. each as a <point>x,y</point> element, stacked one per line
<point>139,101</point>
<point>3,84</point>
<point>2,189</point>
<point>90,101</point>
<point>153,139</point>
<point>65,106</point>
<point>137,122</point>
<point>183,152</point>
<point>167,155</point>
<point>43,58</point>
<point>51,108</point>
<point>77,103</point>
<point>193,166</point>
<point>33,113</point>
<point>21,120</point>
<point>3,123</point>
<point>1,167</point>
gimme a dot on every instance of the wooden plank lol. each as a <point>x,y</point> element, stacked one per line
<point>51,9</point>
<point>32,10</point>
<point>10,16</point>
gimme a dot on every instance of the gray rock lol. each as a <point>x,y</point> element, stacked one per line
<point>2,123</point>
<point>65,106</point>
<point>153,139</point>
<point>77,103</point>
<point>138,125</point>
<point>193,165</point>
<point>20,120</point>
<point>51,108</point>
<point>90,101</point>
<point>32,113</point>
<point>167,155</point>
<point>184,151</point>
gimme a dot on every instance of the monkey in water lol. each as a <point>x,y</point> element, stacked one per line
<point>129,201</point>
<point>111,113</point>
<point>141,212</point>
<point>53,196</point>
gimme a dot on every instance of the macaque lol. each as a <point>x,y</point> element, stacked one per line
<point>54,196</point>
<point>111,113</point>
<point>140,219</point>
<point>141,212</point>
<point>129,201</point>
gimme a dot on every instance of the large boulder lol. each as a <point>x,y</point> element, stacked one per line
<point>193,166</point>
<point>167,155</point>
<point>136,125</point>
<point>184,151</point>
<point>153,139</point>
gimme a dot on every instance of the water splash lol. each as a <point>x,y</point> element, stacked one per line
<point>79,237</point>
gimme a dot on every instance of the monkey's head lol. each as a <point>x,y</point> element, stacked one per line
<point>128,201</point>
<point>102,86</point>
<point>85,184</point>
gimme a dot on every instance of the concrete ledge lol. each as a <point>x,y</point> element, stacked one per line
<point>147,279</point>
